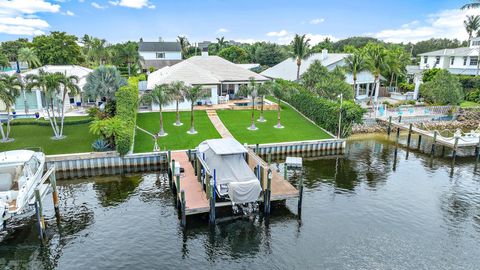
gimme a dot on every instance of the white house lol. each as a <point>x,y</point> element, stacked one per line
<point>457,61</point>
<point>221,77</point>
<point>287,70</point>
<point>159,54</point>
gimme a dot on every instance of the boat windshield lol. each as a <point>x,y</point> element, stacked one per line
<point>9,176</point>
<point>31,167</point>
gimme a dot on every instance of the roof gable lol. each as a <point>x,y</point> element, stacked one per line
<point>159,46</point>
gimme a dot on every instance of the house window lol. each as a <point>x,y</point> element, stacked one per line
<point>476,43</point>
<point>425,59</point>
<point>465,61</point>
<point>437,60</point>
<point>452,60</point>
<point>160,55</point>
<point>473,60</point>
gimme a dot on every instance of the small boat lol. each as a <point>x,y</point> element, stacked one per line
<point>21,172</point>
<point>235,180</point>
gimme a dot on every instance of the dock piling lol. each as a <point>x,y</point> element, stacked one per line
<point>477,155</point>
<point>432,152</point>
<point>409,135</point>
<point>396,140</point>
<point>256,148</point>
<point>184,215</point>
<point>399,119</point>
<point>39,214</point>
<point>212,198</point>
<point>300,197</point>
<point>389,128</point>
<point>53,182</point>
<point>285,171</point>
<point>267,194</point>
<point>454,153</point>
<point>419,144</point>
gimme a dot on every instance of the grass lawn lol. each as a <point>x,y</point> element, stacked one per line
<point>469,104</point>
<point>177,137</point>
<point>297,128</point>
<point>78,138</point>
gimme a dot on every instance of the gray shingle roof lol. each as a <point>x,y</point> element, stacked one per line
<point>464,51</point>
<point>159,46</point>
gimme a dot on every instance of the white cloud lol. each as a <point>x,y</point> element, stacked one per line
<point>97,5</point>
<point>222,30</point>
<point>317,21</point>
<point>16,7</point>
<point>281,33</point>
<point>443,24</point>
<point>138,4</point>
<point>69,13</point>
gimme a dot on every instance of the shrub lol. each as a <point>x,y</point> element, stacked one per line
<point>406,87</point>
<point>100,145</point>
<point>429,74</point>
<point>127,103</point>
<point>41,122</point>
<point>443,89</point>
<point>473,96</point>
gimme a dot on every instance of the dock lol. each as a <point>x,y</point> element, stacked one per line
<point>197,198</point>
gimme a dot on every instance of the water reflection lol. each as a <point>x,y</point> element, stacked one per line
<point>112,191</point>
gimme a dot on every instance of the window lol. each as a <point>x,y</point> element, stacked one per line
<point>473,60</point>
<point>452,60</point>
<point>476,43</point>
<point>465,60</point>
<point>437,60</point>
<point>160,55</point>
<point>425,59</point>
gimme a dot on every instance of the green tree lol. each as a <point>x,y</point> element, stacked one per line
<point>184,44</point>
<point>11,50</point>
<point>103,83</point>
<point>192,94</point>
<point>472,24</point>
<point>429,74</point>
<point>354,64</point>
<point>221,44</point>
<point>4,61</point>
<point>268,54</point>
<point>160,95</point>
<point>396,62</point>
<point>108,128</point>
<point>177,90</point>
<point>234,54</point>
<point>313,75</point>
<point>29,56</point>
<point>300,50</point>
<point>262,91</point>
<point>355,42</point>
<point>326,44</point>
<point>10,88</point>
<point>280,92</point>
<point>473,4</point>
<point>376,57</point>
<point>251,89</point>
<point>58,48</point>
<point>129,54</point>
<point>443,89</point>
<point>325,84</point>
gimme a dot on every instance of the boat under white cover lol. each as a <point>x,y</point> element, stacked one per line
<point>234,178</point>
<point>21,172</point>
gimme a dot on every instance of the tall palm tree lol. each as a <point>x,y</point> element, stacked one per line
<point>472,24</point>
<point>130,55</point>
<point>10,88</point>
<point>176,90</point>
<point>184,44</point>
<point>262,91</point>
<point>279,92</point>
<point>250,90</point>
<point>27,55</point>
<point>160,95</point>
<point>354,64</point>
<point>300,50</point>
<point>3,61</point>
<point>376,55</point>
<point>69,86</point>
<point>193,94</point>
<point>474,4</point>
<point>98,52</point>
<point>221,43</point>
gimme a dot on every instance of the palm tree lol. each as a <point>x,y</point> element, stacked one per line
<point>160,95</point>
<point>4,61</point>
<point>103,83</point>
<point>176,90</point>
<point>130,55</point>
<point>250,90</point>
<point>300,50</point>
<point>69,86</point>
<point>376,56</point>
<point>9,91</point>
<point>472,24</point>
<point>354,64</point>
<point>474,4</point>
<point>193,94</point>
<point>279,92</point>
<point>221,43</point>
<point>262,91</point>
<point>27,55</point>
<point>98,52</point>
<point>184,44</point>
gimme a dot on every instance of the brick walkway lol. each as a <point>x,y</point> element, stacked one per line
<point>218,124</point>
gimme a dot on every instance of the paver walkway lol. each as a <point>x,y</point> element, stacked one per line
<point>218,124</point>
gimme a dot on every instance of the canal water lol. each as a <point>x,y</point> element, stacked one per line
<point>358,213</point>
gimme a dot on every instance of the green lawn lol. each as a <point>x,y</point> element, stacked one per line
<point>78,138</point>
<point>177,137</point>
<point>297,128</point>
<point>469,104</point>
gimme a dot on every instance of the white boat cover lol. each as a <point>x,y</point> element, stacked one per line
<point>226,157</point>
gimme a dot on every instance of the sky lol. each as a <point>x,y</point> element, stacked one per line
<point>240,20</point>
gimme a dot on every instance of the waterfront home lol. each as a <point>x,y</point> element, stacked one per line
<point>287,70</point>
<point>221,77</point>
<point>158,54</point>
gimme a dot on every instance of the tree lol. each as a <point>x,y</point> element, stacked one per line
<point>396,61</point>
<point>103,83</point>
<point>250,90</point>
<point>354,64</point>
<point>98,53</point>
<point>429,74</point>
<point>11,50</point>
<point>69,86</point>
<point>108,128</point>
<point>300,50</point>
<point>221,43</point>
<point>184,44</point>
<point>472,24</point>
<point>279,92</point>
<point>376,57</point>
<point>3,61</point>
<point>129,54</point>
<point>58,48</point>
<point>176,90</point>
<point>474,4</point>
<point>193,94</point>
<point>313,75</point>
<point>325,84</point>
<point>262,91</point>
<point>9,91</point>
<point>326,44</point>
<point>234,54</point>
<point>28,55</point>
<point>443,89</point>
<point>159,95</point>
<point>268,54</point>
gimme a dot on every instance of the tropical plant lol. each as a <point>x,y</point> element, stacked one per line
<point>10,88</point>
<point>103,83</point>
<point>58,48</point>
<point>472,24</point>
<point>192,94</point>
<point>176,90</point>
<point>108,128</point>
<point>98,53</point>
<point>443,89</point>
<point>262,91</point>
<point>159,95</point>
<point>324,83</point>
<point>234,54</point>
<point>279,92</point>
<point>354,64</point>
<point>28,55</point>
<point>129,54</point>
<point>221,43</point>
<point>376,57</point>
<point>12,48</point>
<point>184,45</point>
<point>251,90</point>
<point>4,61</point>
<point>473,4</point>
<point>300,50</point>
<point>100,145</point>
<point>69,86</point>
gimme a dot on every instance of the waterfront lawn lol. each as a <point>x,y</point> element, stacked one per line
<point>297,128</point>
<point>469,104</point>
<point>78,139</point>
<point>177,137</point>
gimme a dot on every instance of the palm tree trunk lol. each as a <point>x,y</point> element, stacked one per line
<point>129,73</point>
<point>355,87</point>
<point>279,125</point>
<point>299,62</point>
<point>53,119</point>
<point>162,131</point>
<point>3,133</point>
<point>252,118</point>
<point>62,117</point>
<point>262,118</point>
<point>192,121</point>
<point>7,134</point>
<point>178,123</point>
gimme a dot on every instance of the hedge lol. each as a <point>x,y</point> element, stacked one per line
<point>42,122</point>
<point>325,112</point>
<point>127,103</point>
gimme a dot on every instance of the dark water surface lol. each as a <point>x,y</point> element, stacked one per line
<point>358,214</point>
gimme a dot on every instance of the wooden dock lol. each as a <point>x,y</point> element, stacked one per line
<point>197,199</point>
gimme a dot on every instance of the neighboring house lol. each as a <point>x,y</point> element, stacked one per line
<point>252,67</point>
<point>457,61</point>
<point>203,45</point>
<point>159,54</point>
<point>287,70</point>
<point>221,77</point>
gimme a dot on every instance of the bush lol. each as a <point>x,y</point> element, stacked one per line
<point>406,87</point>
<point>41,122</point>
<point>443,89</point>
<point>325,112</point>
<point>473,96</point>
<point>429,74</point>
<point>127,103</point>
